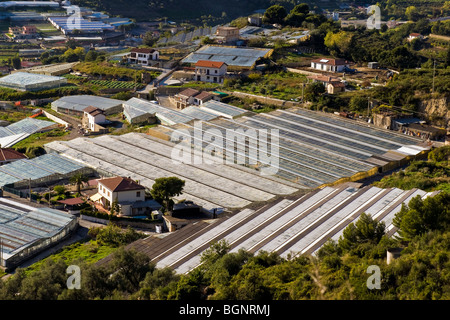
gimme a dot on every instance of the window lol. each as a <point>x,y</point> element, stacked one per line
<point>138,194</point>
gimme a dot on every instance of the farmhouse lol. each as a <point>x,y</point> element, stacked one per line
<point>210,71</point>
<point>331,65</point>
<point>127,193</point>
<point>142,56</point>
<point>227,34</point>
<point>93,118</point>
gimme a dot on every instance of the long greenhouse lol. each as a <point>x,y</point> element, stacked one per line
<point>313,150</point>
<point>26,231</point>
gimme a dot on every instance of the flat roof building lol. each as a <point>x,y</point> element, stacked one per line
<point>24,81</point>
<point>237,58</point>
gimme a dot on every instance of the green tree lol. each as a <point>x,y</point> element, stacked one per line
<point>301,8</point>
<point>412,13</point>
<point>149,39</point>
<point>421,216</point>
<point>338,43</point>
<point>16,62</point>
<point>78,179</point>
<point>90,56</point>
<point>358,103</point>
<point>130,267</point>
<point>313,91</point>
<point>275,14</point>
<point>165,188</point>
<point>365,230</point>
<point>60,190</point>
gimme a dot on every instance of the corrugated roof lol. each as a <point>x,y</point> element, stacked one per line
<point>136,107</point>
<point>80,102</point>
<point>240,57</point>
<point>25,78</point>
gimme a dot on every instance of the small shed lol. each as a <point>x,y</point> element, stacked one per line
<point>373,65</point>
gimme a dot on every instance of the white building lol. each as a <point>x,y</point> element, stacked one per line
<point>92,118</point>
<point>210,71</point>
<point>143,56</point>
<point>124,191</point>
<point>331,65</point>
<point>413,36</point>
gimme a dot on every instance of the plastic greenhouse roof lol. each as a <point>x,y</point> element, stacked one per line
<point>36,168</point>
<point>243,57</point>
<point>25,78</point>
<point>79,102</point>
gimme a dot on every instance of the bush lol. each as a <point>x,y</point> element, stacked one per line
<point>113,235</point>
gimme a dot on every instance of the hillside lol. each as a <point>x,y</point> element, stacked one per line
<point>175,10</point>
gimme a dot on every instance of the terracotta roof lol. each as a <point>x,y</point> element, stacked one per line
<point>93,110</point>
<point>120,184</point>
<point>189,92</point>
<point>203,95</point>
<point>72,201</point>
<point>331,62</point>
<point>209,64</point>
<point>323,78</point>
<point>414,34</point>
<point>337,84</point>
<point>8,154</point>
<point>143,50</point>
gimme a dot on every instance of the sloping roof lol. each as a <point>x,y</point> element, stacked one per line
<point>72,201</point>
<point>209,64</point>
<point>203,95</point>
<point>143,50</point>
<point>189,92</point>
<point>8,154</point>
<point>93,110</point>
<point>323,78</point>
<point>120,184</point>
<point>331,62</point>
<point>414,34</point>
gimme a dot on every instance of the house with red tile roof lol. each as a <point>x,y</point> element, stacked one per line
<point>210,71</point>
<point>8,155</point>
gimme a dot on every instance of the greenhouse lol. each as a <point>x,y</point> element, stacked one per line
<point>77,103</point>
<point>44,169</point>
<point>287,227</point>
<point>146,158</point>
<point>27,230</point>
<point>232,56</point>
<point>24,81</point>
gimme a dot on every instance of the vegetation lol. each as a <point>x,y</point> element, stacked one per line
<point>339,271</point>
<point>164,189</point>
<point>430,175</point>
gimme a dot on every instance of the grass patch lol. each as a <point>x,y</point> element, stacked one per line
<point>39,139</point>
<point>88,251</point>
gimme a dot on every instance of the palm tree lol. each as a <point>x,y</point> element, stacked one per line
<point>78,179</point>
